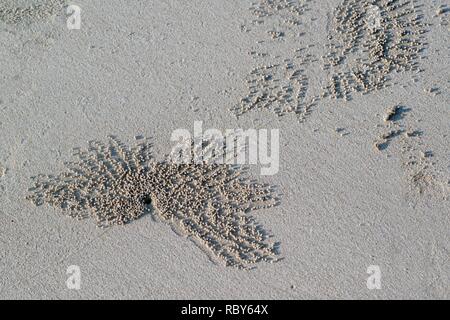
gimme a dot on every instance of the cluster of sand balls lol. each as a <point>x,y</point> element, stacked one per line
<point>279,84</point>
<point>273,87</point>
<point>423,175</point>
<point>279,88</point>
<point>289,11</point>
<point>369,40</point>
<point>16,11</point>
<point>208,202</point>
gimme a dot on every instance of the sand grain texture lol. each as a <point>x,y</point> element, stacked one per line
<point>146,68</point>
<point>26,11</point>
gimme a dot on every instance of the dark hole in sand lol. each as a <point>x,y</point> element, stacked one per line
<point>147,201</point>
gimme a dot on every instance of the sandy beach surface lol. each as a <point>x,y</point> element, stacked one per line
<point>360,93</point>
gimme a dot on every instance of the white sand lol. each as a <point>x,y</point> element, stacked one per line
<point>153,67</point>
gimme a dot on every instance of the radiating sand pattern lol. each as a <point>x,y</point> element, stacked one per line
<point>369,40</point>
<point>17,11</point>
<point>422,173</point>
<point>209,203</point>
<point>281,88</point>
<point>276,84</point>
